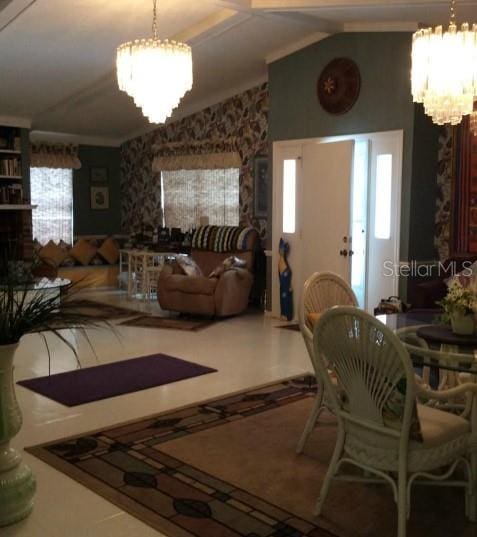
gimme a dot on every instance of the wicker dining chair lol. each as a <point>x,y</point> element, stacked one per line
<point>322,290</point>
<point>381,429</point>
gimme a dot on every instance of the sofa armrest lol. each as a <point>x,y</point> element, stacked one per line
<point>232,291</point>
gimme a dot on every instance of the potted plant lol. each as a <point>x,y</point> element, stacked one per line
<point>24,309</point>
<point>460,304</point>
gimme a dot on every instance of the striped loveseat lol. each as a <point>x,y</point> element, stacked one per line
<point>209,293</point>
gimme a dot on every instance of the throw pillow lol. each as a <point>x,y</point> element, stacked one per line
<point>188,265</point>
<point>68,261</point>
<point>83,252</point>
<point>52,254</point>
<point>109,251</point>
<point>311,319</point>
<point>227,264</point>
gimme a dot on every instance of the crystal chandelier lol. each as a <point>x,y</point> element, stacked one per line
<point>155,73</point>
<point>473,120</point>
<point>444,70</point>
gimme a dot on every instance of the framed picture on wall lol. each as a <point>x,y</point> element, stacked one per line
<point>99,197</point>
<point>98,174</point>
<point>260,186</point>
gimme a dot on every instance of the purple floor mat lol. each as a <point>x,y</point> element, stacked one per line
<point>109,380</point>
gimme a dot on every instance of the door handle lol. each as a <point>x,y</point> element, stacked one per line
<point>351,253</point>
<point>344,252</point>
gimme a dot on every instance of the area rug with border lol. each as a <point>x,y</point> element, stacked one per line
<point>90,384</point>
<point>102,310</point>
<point>175,323</point>
<point>228,468</point>
<point>294,327</point>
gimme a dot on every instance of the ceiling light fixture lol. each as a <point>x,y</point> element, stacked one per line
<point>155,73</point>
<point>444,70</point>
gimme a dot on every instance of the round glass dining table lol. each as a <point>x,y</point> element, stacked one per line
<point>430,343</point>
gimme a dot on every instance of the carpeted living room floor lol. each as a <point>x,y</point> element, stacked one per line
<point>247,351</point>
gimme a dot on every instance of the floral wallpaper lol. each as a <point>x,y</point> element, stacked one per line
<point>243,117</point>
<point>444,192</point>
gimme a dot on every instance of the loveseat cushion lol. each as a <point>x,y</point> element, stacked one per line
<point>190,284</point>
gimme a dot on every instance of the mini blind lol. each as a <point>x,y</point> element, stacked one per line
<point>52,191</point>
<point>189,194</point>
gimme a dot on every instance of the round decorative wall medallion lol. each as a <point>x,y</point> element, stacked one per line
<point>338,86</point>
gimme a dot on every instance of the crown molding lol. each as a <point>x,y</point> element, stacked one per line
<point>393,26</point>
<point>15,121</point>
<point>67,138</point>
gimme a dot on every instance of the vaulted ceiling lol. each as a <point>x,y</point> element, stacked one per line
<point>57,57</point>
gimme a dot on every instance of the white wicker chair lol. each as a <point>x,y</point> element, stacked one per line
<point>369,361</point>
<point>321,291</point>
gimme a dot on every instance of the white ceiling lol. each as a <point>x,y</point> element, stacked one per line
<point>57,57</point>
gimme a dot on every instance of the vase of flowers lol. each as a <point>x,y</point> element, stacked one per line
<point>460,304</point>
<point>24,308</point>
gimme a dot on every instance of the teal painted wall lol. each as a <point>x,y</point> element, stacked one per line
<point>86,220</point>
<point>384,103</point>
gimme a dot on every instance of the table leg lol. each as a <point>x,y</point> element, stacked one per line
<point>129,277</point>
<point>472,514</point>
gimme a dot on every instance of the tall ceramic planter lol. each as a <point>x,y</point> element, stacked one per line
<point>17,484</point>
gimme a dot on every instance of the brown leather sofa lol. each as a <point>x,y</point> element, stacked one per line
<point>220,296</point>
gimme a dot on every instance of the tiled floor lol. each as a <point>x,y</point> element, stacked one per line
<point>247,351</point>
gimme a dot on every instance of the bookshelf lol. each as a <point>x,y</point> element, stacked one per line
<point>15,207</point>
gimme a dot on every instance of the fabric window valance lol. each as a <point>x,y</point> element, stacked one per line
<point>202,155</point>
<point>45,155</point>
<point>211,161</point>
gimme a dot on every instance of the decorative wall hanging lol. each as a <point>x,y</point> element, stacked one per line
<point>98,174</point>
<point>339,85</point>
<point>99,197</point>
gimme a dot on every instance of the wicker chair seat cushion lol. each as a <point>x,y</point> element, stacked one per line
<point>445,438</point>
<point>311,319</point>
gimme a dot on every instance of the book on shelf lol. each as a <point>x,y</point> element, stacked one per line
<point>10,167</point>
<point>11,194</point>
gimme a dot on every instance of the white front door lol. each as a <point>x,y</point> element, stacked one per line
<point>312,184</point>
<point>325,211</point>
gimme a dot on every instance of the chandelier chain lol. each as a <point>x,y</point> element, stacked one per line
<point>452,12</point>
<point>154,19</point>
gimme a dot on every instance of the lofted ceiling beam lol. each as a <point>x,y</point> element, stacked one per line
<point>212,26</point>
<point>293,5</point>
<point>10,10</point>
<point>195,35</point>
<point>315,23</point>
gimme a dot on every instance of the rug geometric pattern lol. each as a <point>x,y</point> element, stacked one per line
<point>174,323</point>
<point>126,466</point>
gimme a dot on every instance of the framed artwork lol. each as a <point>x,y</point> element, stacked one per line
<point>98,174</point>
<point>260,186</point>
<point>99,197</point>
